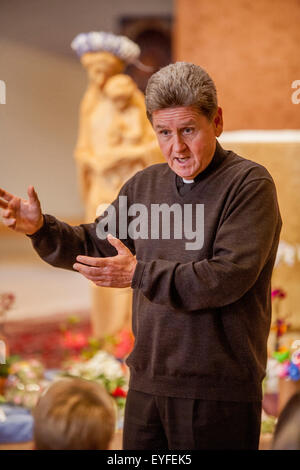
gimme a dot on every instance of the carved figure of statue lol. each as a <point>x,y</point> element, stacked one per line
<point>115,141</point>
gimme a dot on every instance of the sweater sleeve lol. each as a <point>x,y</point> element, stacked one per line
<point>243,243</point>
<point>58,243</point>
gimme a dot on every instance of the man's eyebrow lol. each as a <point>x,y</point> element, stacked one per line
<point>190,122</point>
<point>183,124</point>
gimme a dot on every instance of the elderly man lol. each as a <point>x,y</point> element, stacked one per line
<point>201,311</point>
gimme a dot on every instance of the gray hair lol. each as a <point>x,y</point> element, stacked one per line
<point>181,84</point>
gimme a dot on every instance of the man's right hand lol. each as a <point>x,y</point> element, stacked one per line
<point>19,214</point>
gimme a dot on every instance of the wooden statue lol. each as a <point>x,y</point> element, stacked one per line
<point>115,141</point>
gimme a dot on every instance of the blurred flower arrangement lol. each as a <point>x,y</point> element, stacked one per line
<point>277,353</point>
<point>98,360</point>
<point>25,382</point>
<point>6,301</point>
<point>284,365</point>
<point>289,361</point>
<point>280,325</point>
<point>87,357</point>
<point>102,368</point>
<point>77,344</point>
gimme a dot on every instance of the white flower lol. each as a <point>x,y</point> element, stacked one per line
<point>101,364</point>
<point>272,374</point>
<point>287,254</point>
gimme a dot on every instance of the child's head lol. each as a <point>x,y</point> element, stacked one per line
<point>74,414</point>
<point>120,88</point>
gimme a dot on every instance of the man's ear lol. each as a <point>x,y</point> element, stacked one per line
<point>218,122</point>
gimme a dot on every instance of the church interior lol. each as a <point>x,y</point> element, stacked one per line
<point>55,322</point>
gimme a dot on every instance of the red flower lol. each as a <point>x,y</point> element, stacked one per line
<point>74,340</point>
<point>125,341</point>
<point>119,392</point>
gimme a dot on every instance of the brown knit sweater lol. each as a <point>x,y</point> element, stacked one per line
<point>201,317</point>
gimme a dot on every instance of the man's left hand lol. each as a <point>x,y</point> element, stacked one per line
<point>115,271</point>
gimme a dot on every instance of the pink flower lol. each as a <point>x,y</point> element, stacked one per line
<point>284,370</point>
<point>17,400</point>
<point>278,293</point>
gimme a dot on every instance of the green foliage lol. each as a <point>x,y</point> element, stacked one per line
<point>268,425</point>
<point>121,402</point>
<point>5,368</point>
<point>111,385</point>
<point>94,345</point>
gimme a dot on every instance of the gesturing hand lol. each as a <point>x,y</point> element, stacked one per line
<point>19,214</point>
<point>115,271</point>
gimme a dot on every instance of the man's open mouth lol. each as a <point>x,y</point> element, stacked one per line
<point>182,159</point>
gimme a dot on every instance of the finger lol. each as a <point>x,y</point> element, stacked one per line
<point>33,197</point>
<point>104,284</point>
<point>88,270</point>
<point>9,222</point>
<point>91,260</point>
<point>98,278</point>
<point>119,284</point>
<point>7,196</point>
<point>14,204</point>
<point>7,213</point>
<point>3,204</point>
<point>119,246</point>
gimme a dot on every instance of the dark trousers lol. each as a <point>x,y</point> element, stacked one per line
<point>160,423</point>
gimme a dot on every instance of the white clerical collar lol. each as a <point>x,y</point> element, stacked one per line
<point>187,181</point>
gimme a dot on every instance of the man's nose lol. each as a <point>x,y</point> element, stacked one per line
<point>178,144</point>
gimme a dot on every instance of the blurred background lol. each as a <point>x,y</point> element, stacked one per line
<point>251,50</point>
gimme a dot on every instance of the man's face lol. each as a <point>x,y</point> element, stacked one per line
<point>187,138</point>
